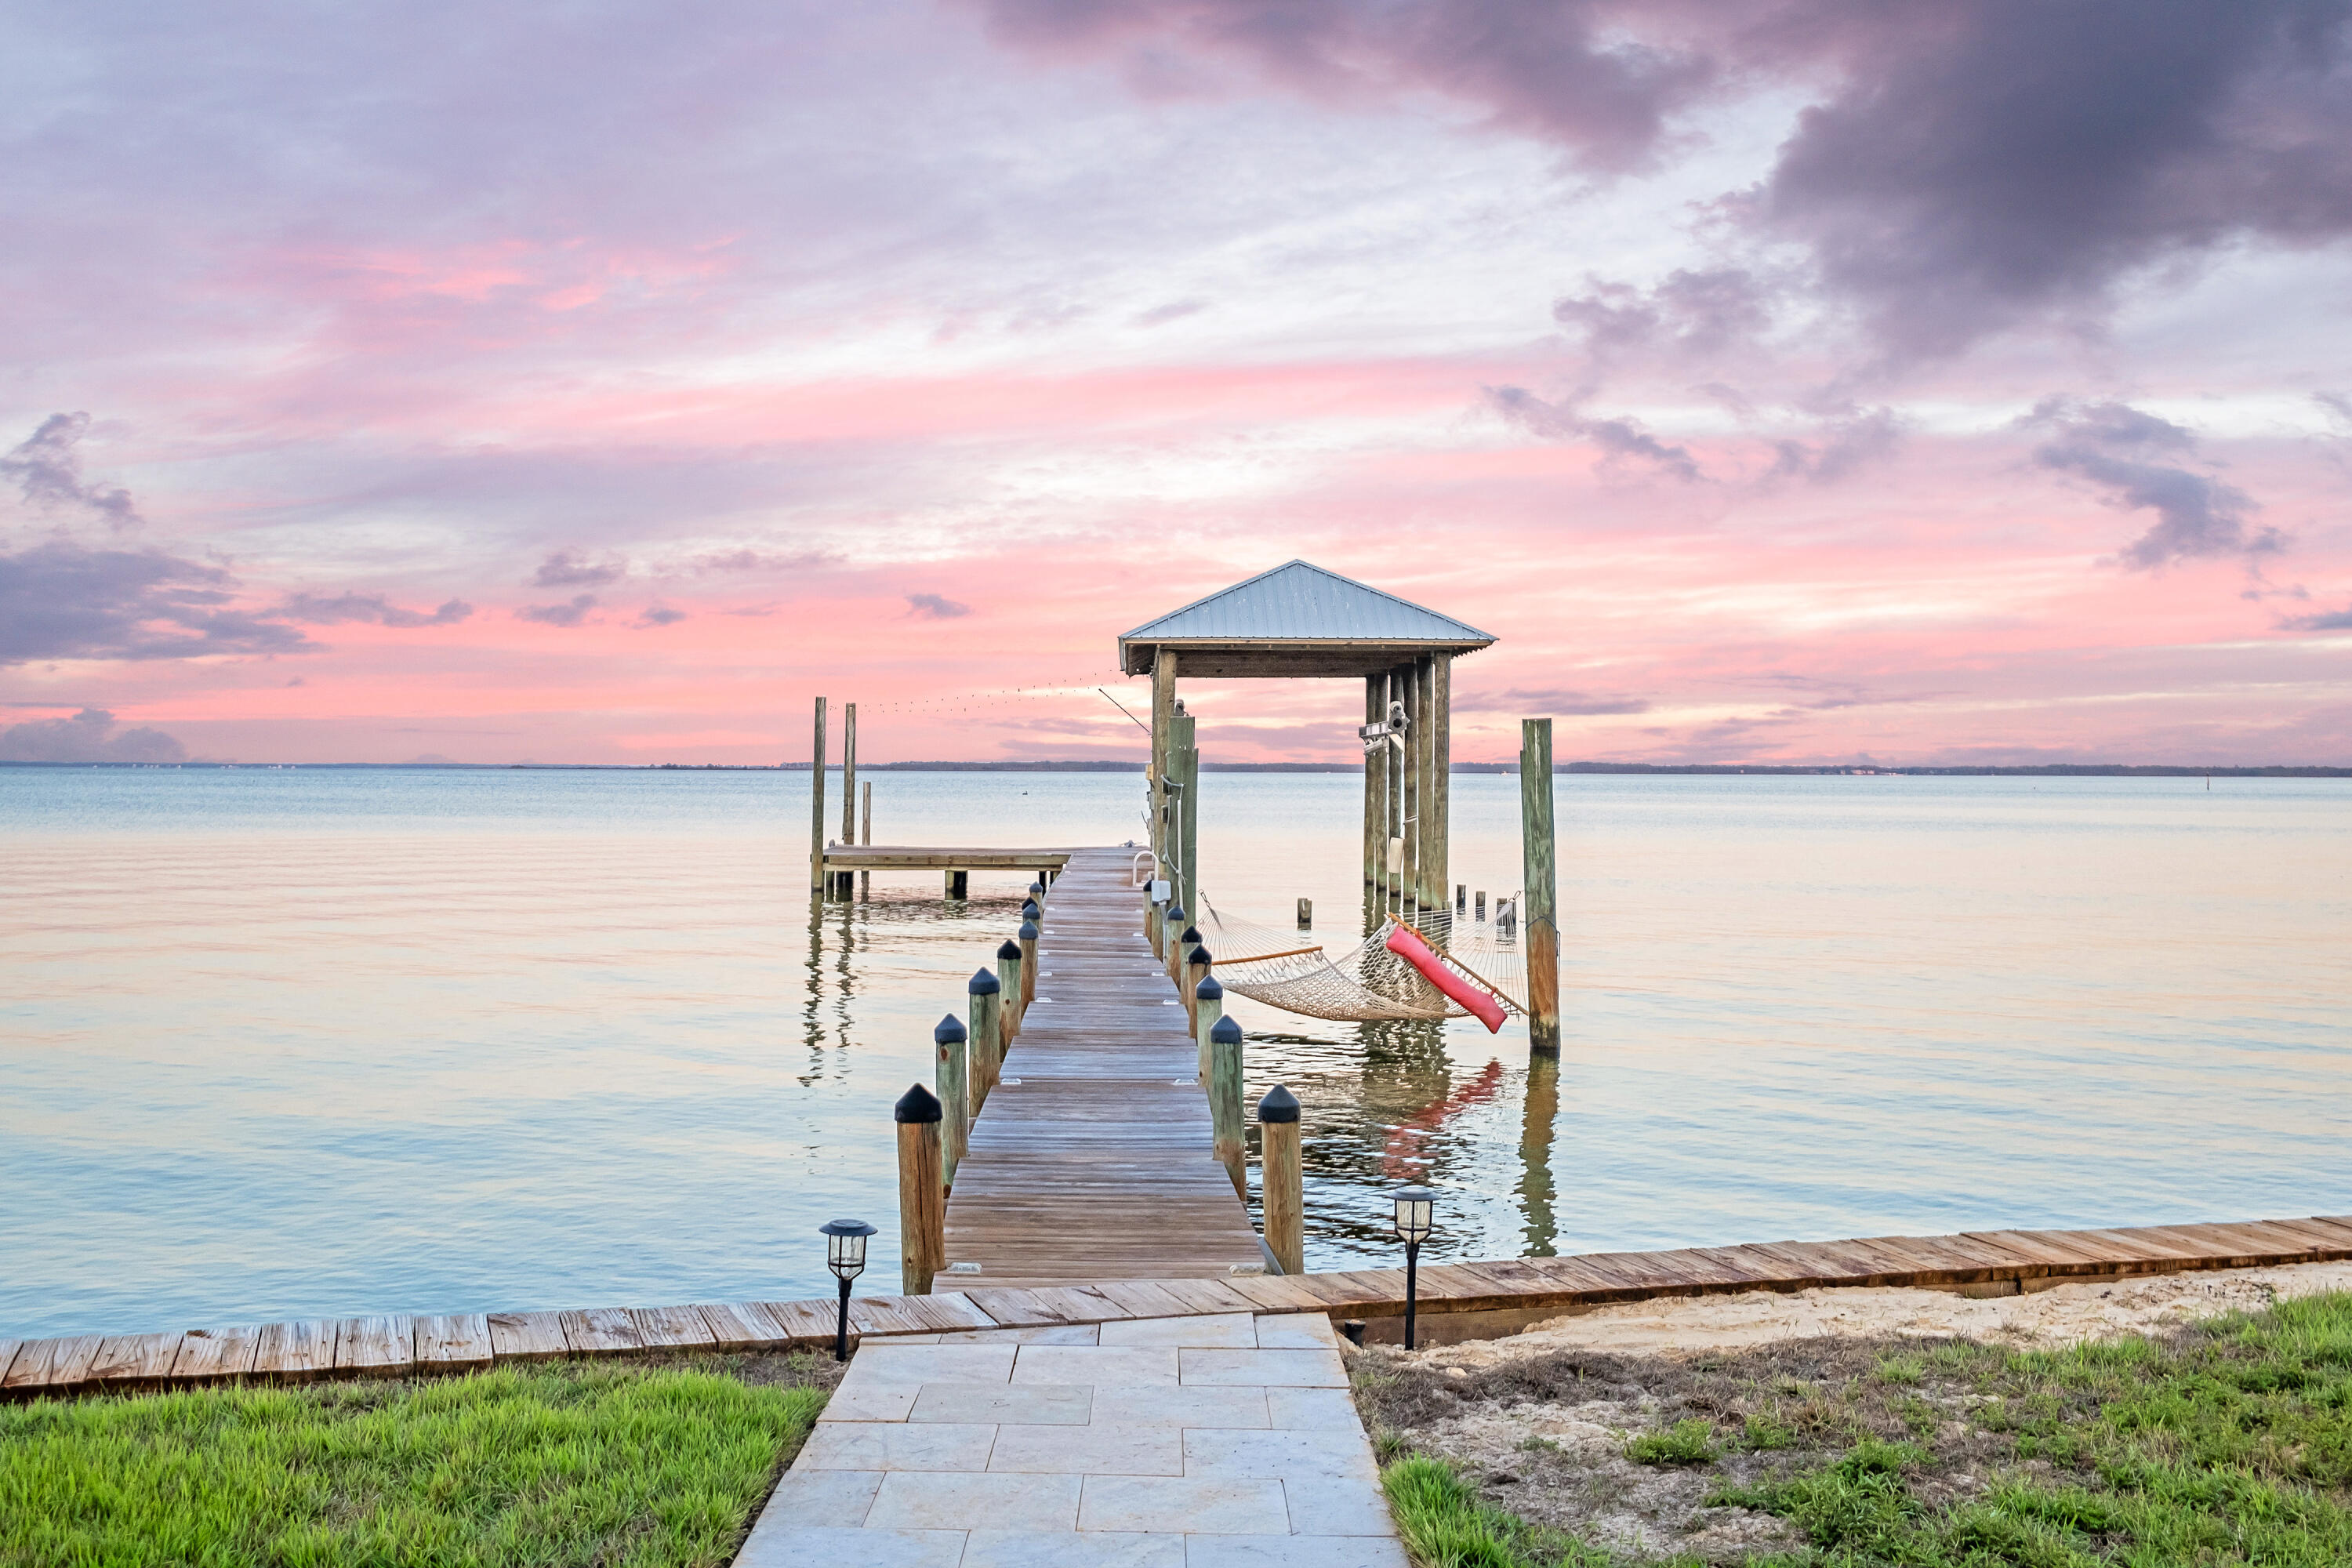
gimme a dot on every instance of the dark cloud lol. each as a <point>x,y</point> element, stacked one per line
<point>320,609</point>
<point>89,736</point>
<point>660,615</point>
<point>764,560</point>
<point>1618,437</point>
<point>1565,70</point>
<point>569,615</point>
<point>47,472</point>
<point>2124,452</point>
<point>1962,167</point>
<point>1690,316</point>
<point>1847,445</point>
<point>1159,315</point>
<point>1986,161</point>
<point>62,601</point>
<point>1554,700</point>
<point>934,607</point>
<point>572,569</point>
<point>2325,621</point>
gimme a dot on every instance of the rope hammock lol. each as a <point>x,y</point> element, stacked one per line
<point>1365,981</point>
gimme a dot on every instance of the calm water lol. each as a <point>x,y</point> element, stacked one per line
<point>281,1043</point>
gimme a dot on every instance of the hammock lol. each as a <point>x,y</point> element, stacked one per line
<point>1363,982</point>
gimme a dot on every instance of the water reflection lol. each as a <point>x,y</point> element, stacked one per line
<point>1537,1121</point>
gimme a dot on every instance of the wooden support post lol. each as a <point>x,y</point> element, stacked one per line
<point>816,807</point>
<point>1008,984</point>
<point>1184,768</point>
<point>1225,1099</point>
<point>1208,1006</point>
<point>1392,888</point>
<point>1028,939</point>
<point>1438,809</point>
<point>1282,1191</point>
<point>922,1189</point>
<point>848,789</point>
<point>865,836</point>
<point>958,884</point>
<point>949,1039</point>
<point>1164,715</point>
<point>1541,916</point>
<point>1180,955</point>
<point>1196,970</point>
<point>1376,816</point>
<point>987,1040</point>
<point>1306,914</point>
<point>1152,932</point>
<point>1416,738</point>
<point>1037,897</point>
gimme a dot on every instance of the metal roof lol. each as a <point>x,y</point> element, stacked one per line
<point>1300,619</point>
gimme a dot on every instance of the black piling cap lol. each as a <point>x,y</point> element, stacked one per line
<point>1037,890</point>
<point>982,982</point>
<point>1010,949</point>
<point>1029,909</point>
<point>1028,930</point>
<point>949,1030</point>
<point>1227,1031</point>
<point>1209,990</point>
<point>1202,956</point>
<point>1279,1106</point>
<point>1191,934</point>
<point>918,1104</point>
<point>1175,912</point>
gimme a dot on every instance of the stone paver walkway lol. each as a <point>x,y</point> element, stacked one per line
<point>1204,1442</point>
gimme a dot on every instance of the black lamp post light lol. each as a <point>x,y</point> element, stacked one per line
<point>1416,1208</point>
<point>844,1253</point>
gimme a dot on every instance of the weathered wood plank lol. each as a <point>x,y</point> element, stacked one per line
<point>743,1326</point>
<point>807,1325</point>
<point>51,1366</point>
<point>601,1330</point>
<point>453,1342</point>
<point>132,1359</point>
<point>216,1355</point>
<point>528,1336</point>
<point>296,1352</point>
<point>672,1328</point>
<point>375,1347</point>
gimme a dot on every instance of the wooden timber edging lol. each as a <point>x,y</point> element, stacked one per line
<point>406,1346</point>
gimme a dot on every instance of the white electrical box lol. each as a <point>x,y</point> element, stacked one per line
<point>1159,890</point>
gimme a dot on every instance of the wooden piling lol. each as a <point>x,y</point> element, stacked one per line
<point>1185,759</point>
<point>1196,970</point>
<point>1208,1006</point>
<point>1306,914</point>
<point>848,789</point>
<point>1438,807</point>
<point>986,1048</point>
<point>816,807</point>
<point>1410,765</point>
<point>959,886</point>
<point>948,1073</point>
<point>1163,714</point>
<point>922,1189</point>
<point>1281,1179</point>
<point>1028,940</point>
<point>1008,984</point>
<point>1225,1099</point>
<point>1540,915</point>
<point>1376,813</point>
<point>865,836</point>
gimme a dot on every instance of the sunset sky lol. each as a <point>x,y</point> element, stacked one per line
<point>1778,379</point>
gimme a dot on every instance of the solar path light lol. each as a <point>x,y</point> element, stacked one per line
<point>1415,1208</point>
<point>844,1253</point>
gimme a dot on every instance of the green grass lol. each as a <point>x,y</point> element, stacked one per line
<point>2229,1444</point>
<point>1690,1442</point>
<point>1444,1525</point>
<point>571,1463</point>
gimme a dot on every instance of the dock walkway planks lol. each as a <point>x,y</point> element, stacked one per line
<point>1093,1159</point>
<point>2025,1259</point>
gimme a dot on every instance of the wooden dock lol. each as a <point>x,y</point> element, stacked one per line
<point>931,858</point>
<point>2000,1262</point>
<point>1092,1158</point>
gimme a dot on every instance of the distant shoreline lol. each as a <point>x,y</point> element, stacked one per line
<point>2039,769</point>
